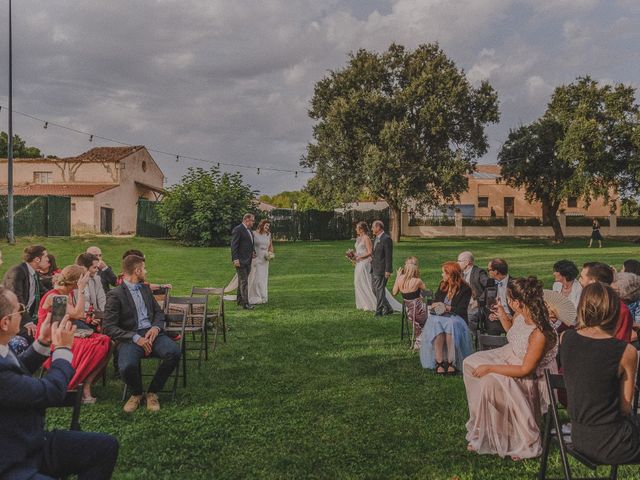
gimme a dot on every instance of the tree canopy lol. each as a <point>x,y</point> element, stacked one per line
<point>301,199</point>
<point>404,126</point>
<point>20,148</point>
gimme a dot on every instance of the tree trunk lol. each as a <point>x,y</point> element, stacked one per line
<point>394,228</point>
<point>550,212</point>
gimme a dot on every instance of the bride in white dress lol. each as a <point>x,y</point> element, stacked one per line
<point>259,276</point>
<point>365,298</point>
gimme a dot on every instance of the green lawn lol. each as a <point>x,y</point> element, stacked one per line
<point>307,387</point>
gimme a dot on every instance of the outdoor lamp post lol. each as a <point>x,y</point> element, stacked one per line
<point>10,234</point>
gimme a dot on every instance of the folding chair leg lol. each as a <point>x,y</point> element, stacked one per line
<point>546,445</point>
<point>184,365</point>
<point>206,343</point>
<point>224,329</point>
<point>614,472</point>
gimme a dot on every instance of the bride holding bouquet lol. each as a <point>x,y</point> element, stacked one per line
<point>361,258</point>
<point>259,276</point>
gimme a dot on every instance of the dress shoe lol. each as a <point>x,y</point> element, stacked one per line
<point>132,404</point>
<point>153,405</point>
<point>248,307</point>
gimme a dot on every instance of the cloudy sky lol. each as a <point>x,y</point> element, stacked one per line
<point>231,80</point>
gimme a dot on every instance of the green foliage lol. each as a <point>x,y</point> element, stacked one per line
<point>629,207</point>
<point>442,221</point>
<point>582,221</point>
<point>484,221</point>
<point>398,125</point>
<point>203,209</point>
<point>20,148</point>
<point>303,200</point>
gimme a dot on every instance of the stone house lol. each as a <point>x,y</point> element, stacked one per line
<point>104,184</point>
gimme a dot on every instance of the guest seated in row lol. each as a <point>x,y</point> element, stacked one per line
<point>593,272</point>
<point>627,286</point>
<point>94,295</point>
<point>565,274</point>
<point>477,278</point>
<point>23,280</point>
<point>26,449</point>
<point>91,350</point>
<point>505,386</point>
<point>600,376</point>
<point>46,274</point>
<point>121,275</point>
<point>105,272</point>
<point>409,283</point>
<point>446,339</point>
<point>135,321</point>
<point>631,266</point>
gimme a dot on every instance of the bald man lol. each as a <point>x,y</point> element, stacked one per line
<point>107,277</point>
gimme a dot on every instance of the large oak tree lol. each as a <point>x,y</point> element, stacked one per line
<point>404,126</point>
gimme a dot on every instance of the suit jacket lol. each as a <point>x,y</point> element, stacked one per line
<point>382,257</point>
<point>121,316</point>
<point>478,281</point>
<point>23,400</point>
<point>459,302</point>
<point>108,279</point>
<point>241,245</point>
<point>17,280</point>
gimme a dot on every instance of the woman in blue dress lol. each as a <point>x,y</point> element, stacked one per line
<point>446,339</point>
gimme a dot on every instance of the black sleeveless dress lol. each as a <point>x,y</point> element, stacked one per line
<point>598,427</point>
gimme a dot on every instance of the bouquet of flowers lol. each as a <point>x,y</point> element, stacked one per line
<point>350,255</point>
<point>269,256</point>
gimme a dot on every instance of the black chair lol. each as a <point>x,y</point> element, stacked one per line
<point>174,323</point>
<point>73,399</point>
<point>406,326</point>
<point>553,425</point>
<point>489,342</point>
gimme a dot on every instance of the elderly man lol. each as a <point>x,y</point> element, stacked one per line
<point>107,277</point>
<point>477,279</point>
<point>28,451</point>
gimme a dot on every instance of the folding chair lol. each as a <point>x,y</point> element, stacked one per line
<point>174,323</point>
<point>161,295</point>
<point>215,315</point>
<point>406,325</point>
<point>73,399</point>
<point>489,342</point>
<point>553,433</point>
<point>195,309</point>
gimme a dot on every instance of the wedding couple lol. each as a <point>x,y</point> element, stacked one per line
<point>372,270</point>
<point>251,252</point>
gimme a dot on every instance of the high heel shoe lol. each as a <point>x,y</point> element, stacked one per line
<point>443,366</point>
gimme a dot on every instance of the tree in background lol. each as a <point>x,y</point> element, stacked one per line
<point>583,146</point>
<point>300,198</point>
<point>20,149</point>
<point>203,209</point>
<point>405,126</point>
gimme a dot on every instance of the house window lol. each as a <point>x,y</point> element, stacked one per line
<point>572,202</point>
<point>42,177</point>
<point>73,207</point>
<point>483,202</point>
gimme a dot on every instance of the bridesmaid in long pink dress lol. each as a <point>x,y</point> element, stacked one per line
<point>505,386</point>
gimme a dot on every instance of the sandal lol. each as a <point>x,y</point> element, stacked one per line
<point>453,372</point>
<point>443,366</point>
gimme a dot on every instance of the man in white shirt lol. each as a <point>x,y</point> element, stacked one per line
<point>498,271</point>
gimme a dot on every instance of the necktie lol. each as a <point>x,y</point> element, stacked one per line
<point>36,296</point>
<point>499,284</point>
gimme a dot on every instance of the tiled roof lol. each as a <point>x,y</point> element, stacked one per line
<point>95,155</point>
<point>61,189</point>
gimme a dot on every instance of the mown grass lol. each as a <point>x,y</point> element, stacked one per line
<point>307,387</point>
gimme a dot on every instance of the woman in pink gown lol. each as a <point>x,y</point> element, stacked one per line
<point>505,386</point>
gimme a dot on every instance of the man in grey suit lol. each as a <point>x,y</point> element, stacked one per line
<point>242,253</point>
<point>381,267</point>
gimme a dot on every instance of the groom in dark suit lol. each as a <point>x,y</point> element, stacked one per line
<point>381,266</point>
<point>241,254</point>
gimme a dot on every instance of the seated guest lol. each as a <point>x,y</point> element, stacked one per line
<point>90,352</point>
<point>498,270</point>
<point>477,279</point>
<point>505,386</point>
<point>446,339</point>
<point>94,292</point>
<point>23,280</point>
<point>409,283</point>
<point>46,273</point>
<point>565,274</point>
<point>152,286</point>
<point>28,451</point>
<point>599,375</point>
<point>593,272</point>
<point>631,266</point>
<point>627,286</point>
<point>105,272</point>
<point>135,321</point>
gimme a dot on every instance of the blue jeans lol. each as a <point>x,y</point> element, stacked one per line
<point>89,455</point>
<point>130,354</point>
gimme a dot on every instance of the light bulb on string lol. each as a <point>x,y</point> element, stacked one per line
<point>46,124</point>
<point>91,138</point>
<point>177,158</point>
<point>296,174</point>
<point>258,172</point>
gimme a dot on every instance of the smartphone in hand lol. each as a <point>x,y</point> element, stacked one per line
<point>59,308</point>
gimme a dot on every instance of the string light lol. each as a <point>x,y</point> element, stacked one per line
<point>258,172</point>
<point>161,152</point>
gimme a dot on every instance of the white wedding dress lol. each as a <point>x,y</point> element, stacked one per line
<point>365,299</point>
<point>259,276</point>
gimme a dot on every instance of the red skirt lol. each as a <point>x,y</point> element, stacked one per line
<point>88,354</point>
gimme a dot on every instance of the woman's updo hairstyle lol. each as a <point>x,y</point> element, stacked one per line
<point>69,276</point>
<point>364,227</point>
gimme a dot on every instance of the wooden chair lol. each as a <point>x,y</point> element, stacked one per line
<point>216,316</point>
<point>489,342</point>
<point>195,309</point>
<point>174,323</point>
<point>552,426</point>
<point>161,295</point>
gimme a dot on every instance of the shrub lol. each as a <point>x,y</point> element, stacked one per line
<point>203,209</point>
<point>628,221</point>
<point>528,222</point>
<point>581,221</point>
<point>484,221</point>
<point>432,221</point>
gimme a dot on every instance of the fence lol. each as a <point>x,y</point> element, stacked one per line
<point>148,222</point>
<point>294,225</point>
<point>44,216</point>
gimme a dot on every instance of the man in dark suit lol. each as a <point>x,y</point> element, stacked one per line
<point>499,280</point>
<point>26,449</point>
<point>135,321</point>
<point>242,253</point>
<point>477,279</point>
<point>23,280</point>
<point>381,267</point>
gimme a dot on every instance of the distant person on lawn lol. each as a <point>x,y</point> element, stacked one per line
<point>242,254</point>
<point>135,321</point>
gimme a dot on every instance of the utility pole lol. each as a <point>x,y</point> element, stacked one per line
<point>10,234</point>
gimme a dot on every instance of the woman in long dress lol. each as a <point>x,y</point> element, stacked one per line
<point>259,276</point>
<point>365,298</point>
<point>505,386</point>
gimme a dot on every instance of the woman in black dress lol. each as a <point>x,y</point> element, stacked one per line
<point>595,233</point>
<point>600,375</point>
